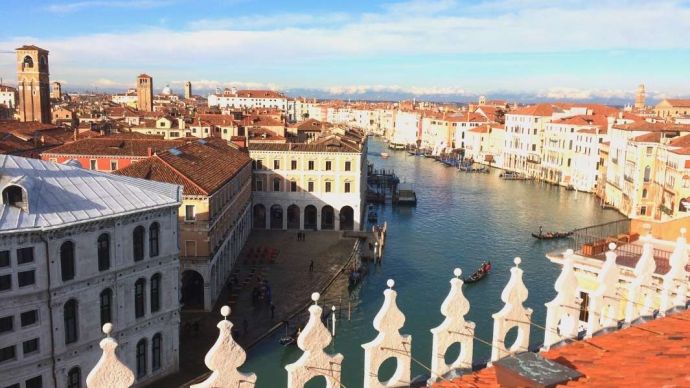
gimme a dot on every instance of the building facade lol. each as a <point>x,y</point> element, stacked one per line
<point>188,90</point>
<point>33,84</point>
<point>249,99</point>
<point>72,260</point>
<point>56,91</point>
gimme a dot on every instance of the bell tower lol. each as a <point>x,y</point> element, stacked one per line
<point>145,93</point>
<point>640,97</point>
<point>188,90</point>
<point>33,84</point>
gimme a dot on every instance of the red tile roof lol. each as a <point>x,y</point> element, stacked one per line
<point>114,146</point>
<point>534,110</point>
<point>653,127</point>
<point>679,102</point>
<point>651,354</point>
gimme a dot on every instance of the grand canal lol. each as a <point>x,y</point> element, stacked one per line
<point>460,221</point>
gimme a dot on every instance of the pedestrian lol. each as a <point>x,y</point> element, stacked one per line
<point>311,266</point>
<point>245,325</point>
<point>298,236</point>
<point>273,310</point>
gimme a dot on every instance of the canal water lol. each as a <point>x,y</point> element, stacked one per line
<point>460,220</point>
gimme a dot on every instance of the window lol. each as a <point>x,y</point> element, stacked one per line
<point>141,358</point>
<point>649,151</point>
<point>644,193</point>
<point>103,252</point>
<point>154,232</point>
<point>647,173</point>
<point>310,165</point>
<point>67,260</point>
<point>643,210</point>
<point>156,351</point>
<point>310,186</point>
<point>259,164</point>
<point>259,185</point>
<point>25,255</point>
<point>74,378</point>
<point>92,164</point>
<point>26,278</point>
<point>7,353</point>
<point>34,382</point>
<point>70,317</point>
<point>139,298</point>
<point>293,164</point>
<point>293,186</point>
<point>6,324</point>
<point>106,306</point>
<point>276,184</point>
<point>155,292</point>
<point>276,164</point>
<point>348,166</point>
<point>4,259</point>
<point>328,187</point>
<point>28,317</point>
<point>113,165</point>
<point>347,187</point>
<point>30,346</point>
<point>189,213</point>
<point>138,243</point>
<point>328,165</point>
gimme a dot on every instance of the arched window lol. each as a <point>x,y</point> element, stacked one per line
<point>138,243</point>
<point>647,173</point>
<point>106,306</point>
<point>139,298</point>
<point>644,193</point>
<point>155,292</point>
<point>154,231</point>
<point>156,351</point>
<point>28,62</point>
<point>141,358</point>
<point>74,378</point>
<point>103,252</point>
<point>67,260</point>
<point>69,313</point>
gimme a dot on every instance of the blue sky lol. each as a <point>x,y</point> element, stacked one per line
<point>550,49</point>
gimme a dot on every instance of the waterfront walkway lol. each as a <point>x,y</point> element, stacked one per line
<point>291,285</point>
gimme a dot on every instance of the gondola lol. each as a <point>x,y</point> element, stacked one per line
<point>551,235</point>
<point>478,275</point>
<point>289,339</point>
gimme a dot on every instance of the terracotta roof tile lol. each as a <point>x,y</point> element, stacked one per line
<point>114,146</point>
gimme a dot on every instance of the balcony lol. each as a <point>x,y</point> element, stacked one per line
<point>666,210</point>
<point>628,178</point>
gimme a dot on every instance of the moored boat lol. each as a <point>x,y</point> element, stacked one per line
<point>551,235</point>
<point>384,155</point>
<point>479,274</point>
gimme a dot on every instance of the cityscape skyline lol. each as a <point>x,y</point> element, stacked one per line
<point>370,50</point>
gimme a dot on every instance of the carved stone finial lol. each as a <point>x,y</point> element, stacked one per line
<point>513,314</point>
<point>314,361</point>
<point>109,372</point>
<point>642,291</point>
<point>453,329</point>
<point>224,357</point>
<point>388,343</point>
<point>562,313</point>
<point>604,301</point>
<point>315,297</point>
<point>674,288</point>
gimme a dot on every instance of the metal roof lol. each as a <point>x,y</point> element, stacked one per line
<point>60,195</point>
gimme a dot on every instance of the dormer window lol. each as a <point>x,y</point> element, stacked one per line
<point>14,196</point>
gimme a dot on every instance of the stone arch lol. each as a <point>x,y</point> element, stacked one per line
<point>310,217</point>
<point>259,215</point>
<point>293,217</point>
<point>192,290</point>
<point>347,218</point>
<point>276,217</point>
<point>327,218</point>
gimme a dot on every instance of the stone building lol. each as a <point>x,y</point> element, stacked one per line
<point>215,216</point>
<point>145,93</point>
<point>78,249</point>
<point>318,185</point>
<point>33,84</point>
<point>187,90</point>
<point>56,91</point>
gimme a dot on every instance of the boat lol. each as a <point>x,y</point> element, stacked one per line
<point>371,214</point>
<point>289,338</point>
<point>384,155</point>
<point>479,274</point>
<point>570,188</point>
<point>551,235</point>
<point>513,176</point>
<point>357,275</point>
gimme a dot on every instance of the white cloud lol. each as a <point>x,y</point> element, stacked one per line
<point>416,90</point>
<point>108,83</point>
<point>213,84</point>
<point>81,5</point>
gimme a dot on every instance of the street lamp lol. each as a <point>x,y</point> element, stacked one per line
<point>333,321</point>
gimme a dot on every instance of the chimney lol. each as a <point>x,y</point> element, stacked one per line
<point>149,151</point>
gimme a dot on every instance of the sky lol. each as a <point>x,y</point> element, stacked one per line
<point>545,48</point>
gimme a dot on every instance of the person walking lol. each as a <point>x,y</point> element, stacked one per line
<point>311,266</point>
<point>273,310</point>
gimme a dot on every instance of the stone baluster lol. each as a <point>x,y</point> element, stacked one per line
<point>314,361</point>
<point>676,279</point>
<point>562,313</point>
<point>513,314</point>
<point>642,291</point>
<point>389,343</point>
<point>109,372</point>
<point>453,329</point>
<point>604,302</point>
<point>224,357</point>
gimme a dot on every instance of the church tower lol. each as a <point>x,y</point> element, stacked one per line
<point>187,90</point>
<point>145,93</point>
<point>640,97</point>
<point>33,84</point>
<point>56,91</point>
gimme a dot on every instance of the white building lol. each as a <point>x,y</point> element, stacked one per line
<point>524,136</point>
<point>8,96</point>
<point>586,158</point>
<point>407,128</point>
<point>249,99</point>
<point>78,249</point>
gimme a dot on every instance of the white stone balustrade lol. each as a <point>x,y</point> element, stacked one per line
<point>642,291</point>
<point>604,302</point>
<point>563,312</point>
<point>513,314</point>
<point>453,329</point>
<point>224,357</point>
<point>109,371</point>
<point>389,343</point>
<point>314,361</point>
<point>675,284</point>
